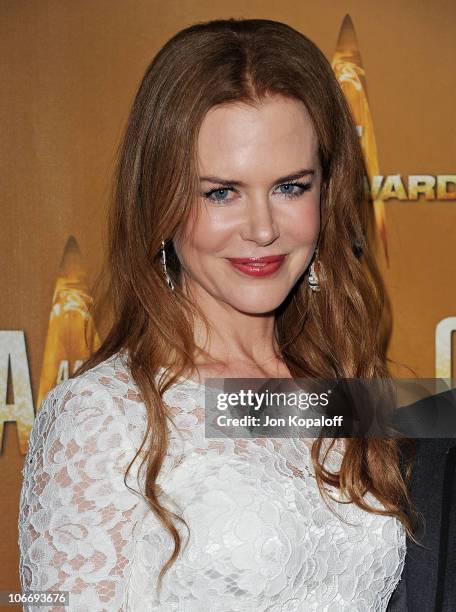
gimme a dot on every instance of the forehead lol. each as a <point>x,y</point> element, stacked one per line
<point>276,134</point>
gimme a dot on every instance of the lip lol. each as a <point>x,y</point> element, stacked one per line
<point>257,266</point>
<point>265,259</point>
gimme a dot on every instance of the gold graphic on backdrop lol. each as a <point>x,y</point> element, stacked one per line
<point>443,347</point>
<point>441,187</point>
<point>66,346</point>
<point>16,403</point>
<point>350,74</point>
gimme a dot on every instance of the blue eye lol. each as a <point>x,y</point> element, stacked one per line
<point>294,193</point>
<point>222,191</point>
<point>291,190</point>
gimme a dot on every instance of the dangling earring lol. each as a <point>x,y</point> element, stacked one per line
<point>312,278</point>
<point>163,256</point>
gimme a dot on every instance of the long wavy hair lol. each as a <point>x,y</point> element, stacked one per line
<point>340,332</point>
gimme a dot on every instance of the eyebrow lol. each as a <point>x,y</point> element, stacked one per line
<point>284,179</point>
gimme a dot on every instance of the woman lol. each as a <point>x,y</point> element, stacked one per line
<point>239,146</point>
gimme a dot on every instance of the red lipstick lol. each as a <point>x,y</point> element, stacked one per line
<point>257,266</point>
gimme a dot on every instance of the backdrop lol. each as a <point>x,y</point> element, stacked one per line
<point>70,72</point>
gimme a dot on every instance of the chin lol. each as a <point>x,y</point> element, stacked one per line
<point>263,305</point>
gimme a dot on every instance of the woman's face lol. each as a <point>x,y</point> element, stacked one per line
<point>259,196</point>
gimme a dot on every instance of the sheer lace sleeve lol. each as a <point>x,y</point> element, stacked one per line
<point>77,518</point>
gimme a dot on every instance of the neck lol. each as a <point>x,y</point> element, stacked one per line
<point>234,336</point>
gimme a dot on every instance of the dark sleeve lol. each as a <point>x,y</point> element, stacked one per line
<point>398,600</point>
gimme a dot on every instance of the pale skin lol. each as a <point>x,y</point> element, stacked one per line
<point>254,147</point>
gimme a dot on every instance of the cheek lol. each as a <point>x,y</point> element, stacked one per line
<point>303,223</point>
<point>206,234</point>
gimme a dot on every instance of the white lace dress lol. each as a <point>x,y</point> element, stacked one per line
<point>261,537</point>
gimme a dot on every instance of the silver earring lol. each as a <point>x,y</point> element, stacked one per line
<point>163,256</point>
<point>312,279</point>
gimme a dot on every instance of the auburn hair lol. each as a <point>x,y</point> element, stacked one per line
<point>342,331</point>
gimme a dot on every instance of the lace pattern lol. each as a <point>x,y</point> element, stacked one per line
<point>261,537</point>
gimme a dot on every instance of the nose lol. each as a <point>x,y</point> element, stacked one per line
<point>260,224</point>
